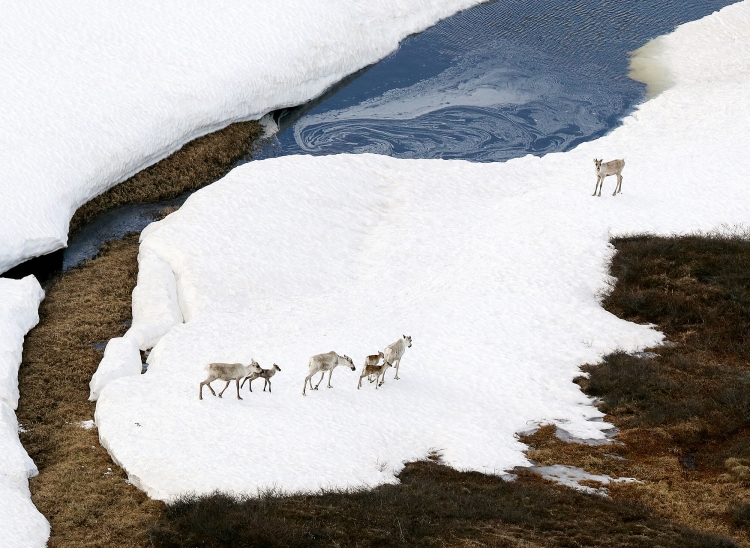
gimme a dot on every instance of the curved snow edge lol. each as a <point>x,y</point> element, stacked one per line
<point>155,311</point>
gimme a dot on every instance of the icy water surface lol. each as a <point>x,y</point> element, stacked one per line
<point>498,81</point>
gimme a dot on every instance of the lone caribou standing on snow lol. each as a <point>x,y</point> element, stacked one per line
<point>603,170</point>
<point>325,362</point>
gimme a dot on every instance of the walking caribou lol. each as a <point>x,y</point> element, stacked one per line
<point>394,351</point>
<point>325,362</point>
<point>265,374</point>
<point>228,372</point>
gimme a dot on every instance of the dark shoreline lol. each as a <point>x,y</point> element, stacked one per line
<point>197,164</point>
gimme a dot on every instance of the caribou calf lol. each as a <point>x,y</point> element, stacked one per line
<point>228,372</point>
<point>377,370</point>
<point>265,374</point>
<point>614,167</point>
<point>373,359</point>
<point>394,351</point>
<point>325,362</point>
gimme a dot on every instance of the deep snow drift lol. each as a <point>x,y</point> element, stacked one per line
<point>21,524</point>
<point>493,269</point>
<point>93,93</point>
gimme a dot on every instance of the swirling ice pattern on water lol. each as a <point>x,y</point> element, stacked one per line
<point>499,81</point>
<point>491,106</point>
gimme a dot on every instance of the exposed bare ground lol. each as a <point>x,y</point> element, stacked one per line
<point>684,414</point>
<point>83,494</point>
<point>195,165</point>
<point>432,506</point>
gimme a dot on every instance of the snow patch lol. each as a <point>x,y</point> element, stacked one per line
<point>21,524</point>
<point>121,358</point>
<point>493,269</point>
<point>571,476</point>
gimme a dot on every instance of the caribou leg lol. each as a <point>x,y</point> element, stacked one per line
<point>305,385</point>
<point>225,387</point>
<point>238,389</point>
<point>200,396</point>
<point>330,374</point>
<point>322,374</point>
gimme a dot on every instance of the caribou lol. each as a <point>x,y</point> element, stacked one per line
<point>377,370</point>
<point>265,374</point>
<point>228,372</point>
<point>320,363</point>
<point>613,167</point>
<point>394,351</point>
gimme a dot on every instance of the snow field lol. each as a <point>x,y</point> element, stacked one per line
<point>94,93</point>
<point>21,525</point>
<point>493,269</point>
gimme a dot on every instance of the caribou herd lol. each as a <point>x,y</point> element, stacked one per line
<point>373,369</point>
<point>320,363</point>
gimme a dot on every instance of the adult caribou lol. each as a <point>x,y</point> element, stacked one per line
<point>395,351</point>
<point>325,362</point>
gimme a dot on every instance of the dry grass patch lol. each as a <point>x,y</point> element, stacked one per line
<point>684,414</point>
<point>434,505</point>
<point>194,166</point>
<point>83,494</point>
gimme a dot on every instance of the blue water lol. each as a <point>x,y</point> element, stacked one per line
<point>498,81</point>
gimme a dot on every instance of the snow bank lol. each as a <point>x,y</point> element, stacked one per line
<point>19,301</point>
<point>21,524</point>
<point>121,358</point>
<point>493,269</point>
<point>93,93</point>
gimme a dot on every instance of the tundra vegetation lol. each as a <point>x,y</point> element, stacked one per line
<point>684,409</point>
<point>195,165</point>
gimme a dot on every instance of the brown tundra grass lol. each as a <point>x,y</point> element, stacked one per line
<point>79,489</point>
<point>684,414</point>
<point>195,165</point>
